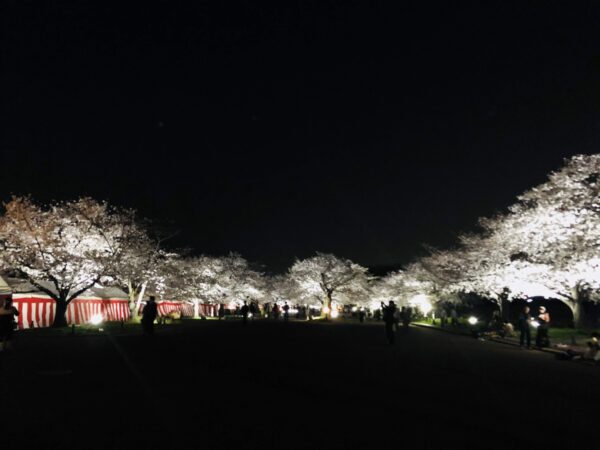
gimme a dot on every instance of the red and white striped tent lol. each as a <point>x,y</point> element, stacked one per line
<point>166,307</point>
<point>37,309</point>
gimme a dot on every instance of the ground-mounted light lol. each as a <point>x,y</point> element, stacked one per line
<point>96,319</point>
<point>422,302</point>
<point>334,313</point>
<point>472,320</point>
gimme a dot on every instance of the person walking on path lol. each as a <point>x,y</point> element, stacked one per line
<point>525,327</point>
<point>541,338</point>
<point>245,310</point>
<point>7,323</point>
<point>149,316</point>
<point>389,319</point>
<point>286,312</point>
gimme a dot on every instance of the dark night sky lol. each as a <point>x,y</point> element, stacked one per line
<point>278,130</point>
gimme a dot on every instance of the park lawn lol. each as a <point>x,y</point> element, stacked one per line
<point>115,328</point>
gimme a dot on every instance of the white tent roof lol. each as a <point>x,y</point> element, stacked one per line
<point>21,286</point>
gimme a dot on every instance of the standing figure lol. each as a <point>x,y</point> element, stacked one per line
<point>541,338</point>
<point>453,317</point>
<point>524,327</point>
<point>361,314</point>
<point>221,311</point>
<point>443,316</point>
<point>406,317</point>
<point>244,310</point>
<point>389,319</point>
<point>7,322</point>
<point>149,316</point>
<point>286,312</point>
<point>275,311</point>
<point>253,310</point>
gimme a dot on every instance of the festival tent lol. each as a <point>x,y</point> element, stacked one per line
<point>166,307</point>
<point>37,309</point>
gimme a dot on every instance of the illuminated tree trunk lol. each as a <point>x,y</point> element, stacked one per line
<point>196,309</point>
<point>132,300</point>
<point>138,305</point>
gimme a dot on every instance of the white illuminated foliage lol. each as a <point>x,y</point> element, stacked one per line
<point>328,278</point>
<point>206,279</point>
<point>63,248</point>
<point>547,244</point>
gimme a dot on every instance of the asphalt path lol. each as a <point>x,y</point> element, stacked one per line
<point>209,384</point>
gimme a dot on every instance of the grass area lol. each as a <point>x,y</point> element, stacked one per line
<point>92,330</point>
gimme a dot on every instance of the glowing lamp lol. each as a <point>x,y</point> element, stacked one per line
<point>326,309</point>
<point>535,323</point>
<point>472,320</point>
<point>96,319</point>
<point>334,313</point>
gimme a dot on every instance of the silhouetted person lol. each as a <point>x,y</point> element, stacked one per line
<point>253,309</point>
<point>443,316</point>
<point>406,317</point>
<point>275,311</point>
<point>541,337</point>
<point>453,317</point>
<point>221,311</point>
<point>7,322</point>
<point>524,324</point>
<point>389,319</point>
<point>286,312</point>
<point>149,316</point>
<point>361,315</point>
<point>245,310</point>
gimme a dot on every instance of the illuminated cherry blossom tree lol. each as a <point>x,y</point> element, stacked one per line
<point>63,248</point>
<point>328,278</point>
<point>142,261</point>
<point>554,230</point>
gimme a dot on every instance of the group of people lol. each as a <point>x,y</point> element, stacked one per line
<point>8,314</point>
<point>542,321</point>
<point>392,317</point>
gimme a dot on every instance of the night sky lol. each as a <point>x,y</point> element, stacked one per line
<point>276,130</point>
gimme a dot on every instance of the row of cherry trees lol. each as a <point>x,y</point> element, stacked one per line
<point>547,245</point>
<point>65,248</point>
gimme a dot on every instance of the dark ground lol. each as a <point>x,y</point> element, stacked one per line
<point>287,386</point>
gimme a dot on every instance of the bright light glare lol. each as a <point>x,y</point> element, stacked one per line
<point>250,315</point>
<point>472,320</point>
<point>326,309</point>
<point>354,309</point>
<point>334,313</point>
<point>535,323</point>
<point>96,319</point>
<point>422,302</point>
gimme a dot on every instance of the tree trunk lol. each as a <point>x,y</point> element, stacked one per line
<point>136,313</point>
<point>326,311</point>
<point>60,317</point>
<point>132,302</point>
<point>575,302</point>
<point>196,309</point>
